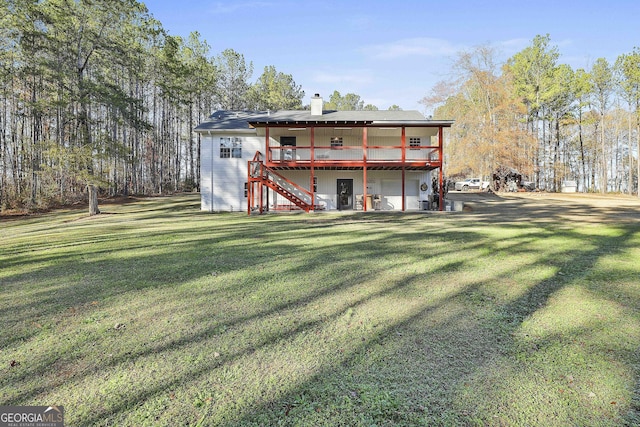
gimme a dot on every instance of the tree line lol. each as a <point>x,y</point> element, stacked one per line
<point>542,119</point>
<point>98,93</point>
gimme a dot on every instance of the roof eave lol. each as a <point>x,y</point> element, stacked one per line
<point>309,123</point>
<point>227,130</point>
<point>367,123</point>
<point>433,123</point>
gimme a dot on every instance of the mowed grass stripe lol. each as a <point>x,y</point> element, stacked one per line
<point>154,313</point>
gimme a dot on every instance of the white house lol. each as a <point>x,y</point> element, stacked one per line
<point>311,160</point>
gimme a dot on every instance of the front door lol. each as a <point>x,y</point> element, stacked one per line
<point>345,194</point>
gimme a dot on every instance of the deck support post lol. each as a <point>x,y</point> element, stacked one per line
<point>312,159</point>
<point>403,143</point>
<point>364,170</point>
<point>441,198</point>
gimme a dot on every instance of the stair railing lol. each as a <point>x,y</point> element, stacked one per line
<point>267,176</point>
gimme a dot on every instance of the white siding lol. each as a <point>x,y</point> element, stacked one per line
<point>328,186</point>
<point>423,195</point>
<point>223,179</point>
<point>386,183</point>
<point>301,178</point>
<point>413,194</point>
<point>206,183</point>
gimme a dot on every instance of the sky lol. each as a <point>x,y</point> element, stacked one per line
<point>393,52</point>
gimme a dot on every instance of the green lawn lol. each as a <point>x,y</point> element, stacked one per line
<point>154,313</point>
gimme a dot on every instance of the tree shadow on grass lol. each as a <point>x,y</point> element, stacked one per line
<point>426,374</point>
<point>238,254</point>
<point>415,367</point>
<point>464,346</point>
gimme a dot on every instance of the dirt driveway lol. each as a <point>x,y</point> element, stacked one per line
<point>589,208</point>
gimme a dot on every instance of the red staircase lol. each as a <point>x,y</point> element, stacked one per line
<point>261,175</point>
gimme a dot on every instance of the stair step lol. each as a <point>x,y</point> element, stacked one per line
<point>286,192</point>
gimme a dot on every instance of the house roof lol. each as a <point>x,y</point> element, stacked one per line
<point>247,120</point>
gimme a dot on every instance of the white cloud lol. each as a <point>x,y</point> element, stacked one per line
<point>423,46</point>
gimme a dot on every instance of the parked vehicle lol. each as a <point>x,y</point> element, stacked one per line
<point>528,185</point>
<point>472,184</point>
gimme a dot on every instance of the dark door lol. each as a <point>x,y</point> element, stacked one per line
<point>345,194</point>
<point>288,154</point>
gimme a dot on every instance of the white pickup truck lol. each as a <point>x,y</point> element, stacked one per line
<point>472,184</point>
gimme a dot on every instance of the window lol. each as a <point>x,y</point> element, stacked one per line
<point>315,184</point>
<point>414,143</point>
<point>246,189</point>
<point>225,152</point>
<point>230,148</point>
<point>336,141</point>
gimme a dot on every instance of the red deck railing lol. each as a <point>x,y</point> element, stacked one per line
<point>350,154</point>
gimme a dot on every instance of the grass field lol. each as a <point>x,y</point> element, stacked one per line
<point>522,311</point>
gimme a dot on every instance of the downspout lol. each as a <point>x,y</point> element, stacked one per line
<point>211,174</point>
<point>403,193</point>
